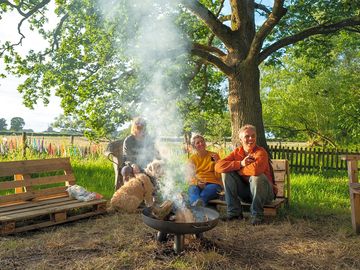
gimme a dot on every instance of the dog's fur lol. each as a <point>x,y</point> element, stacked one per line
<point>138,189</point>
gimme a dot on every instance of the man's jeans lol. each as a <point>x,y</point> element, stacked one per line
<point>258,192</point>
<point>208,193</point>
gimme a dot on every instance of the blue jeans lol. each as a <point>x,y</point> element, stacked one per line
<point>257,192</point>
<point>210,192</point>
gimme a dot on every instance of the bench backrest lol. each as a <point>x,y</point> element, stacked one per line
<point>282,177</point>
<point>35,179</point>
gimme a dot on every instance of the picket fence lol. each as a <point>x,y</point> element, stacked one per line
<point>312,159</point>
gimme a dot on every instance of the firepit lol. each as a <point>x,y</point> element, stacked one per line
<point>180,229</point>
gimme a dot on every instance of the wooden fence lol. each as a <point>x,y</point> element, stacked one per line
<point>312,159</point>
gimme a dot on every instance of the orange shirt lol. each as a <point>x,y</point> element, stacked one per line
<point>204,169</point>
<point>232,163</point>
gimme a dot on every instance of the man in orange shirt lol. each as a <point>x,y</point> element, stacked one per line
<point>247,177</point>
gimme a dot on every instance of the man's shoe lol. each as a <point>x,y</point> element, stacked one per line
<point>231,218</point>
<point>256,221</point>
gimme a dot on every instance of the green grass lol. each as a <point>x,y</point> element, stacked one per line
<point>312,195</point>
<point>317,195</point>
<point>95,175</point>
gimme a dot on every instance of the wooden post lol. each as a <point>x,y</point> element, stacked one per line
<point>354,188</point>
<point>24,145</point>
<point>72,139</point>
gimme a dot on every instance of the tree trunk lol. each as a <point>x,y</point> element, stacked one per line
<point>244,102</point>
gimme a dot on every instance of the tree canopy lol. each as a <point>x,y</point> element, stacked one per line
<point>319,101</point>
<point>89,65</point>
<point>17,123</point>
<point>3,124</point>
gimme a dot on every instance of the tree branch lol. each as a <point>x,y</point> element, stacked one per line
<point>262,7</point>
<point>317,30</point>
<point>212,59</point>
<point>222,31</point>
<point>210,49</point>
<point>275,16</point>
<point>57,32</point>
<point>25,16</point>
<point>307,130</point>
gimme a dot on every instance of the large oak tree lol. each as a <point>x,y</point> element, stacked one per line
<point>245,46</point>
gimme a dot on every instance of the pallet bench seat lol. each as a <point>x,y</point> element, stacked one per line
<point>35,195</point>
<point>282,180</point>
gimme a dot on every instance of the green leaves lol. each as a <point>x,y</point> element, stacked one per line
<point>315,100</point>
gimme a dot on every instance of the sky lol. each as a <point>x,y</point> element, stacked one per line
<point>11,104</point>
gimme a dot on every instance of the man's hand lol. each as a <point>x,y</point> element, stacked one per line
<point>247,160</point>
<point>215,157</point>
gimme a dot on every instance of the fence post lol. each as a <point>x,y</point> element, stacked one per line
<point>72,140</point>
<point>24,145</point>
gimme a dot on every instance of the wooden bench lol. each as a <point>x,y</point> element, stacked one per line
<point>35,195</point>
<point>282,180</point>
<point>354,189</point>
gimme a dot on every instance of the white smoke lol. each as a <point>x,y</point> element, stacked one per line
<point>158,50</point>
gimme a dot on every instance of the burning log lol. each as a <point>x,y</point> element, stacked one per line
<point>163,211</point>
<point>167,211</point>
<point>184,215</point>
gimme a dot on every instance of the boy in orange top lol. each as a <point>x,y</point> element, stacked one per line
<point>205,183</point>
<point>247,177</point>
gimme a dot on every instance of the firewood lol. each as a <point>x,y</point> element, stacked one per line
<point>184,215</point>
<point>162,211</point>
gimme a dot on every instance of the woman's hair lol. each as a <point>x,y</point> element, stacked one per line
<point>194,137</point>
<point>245,127</point>
<point>137,122</point>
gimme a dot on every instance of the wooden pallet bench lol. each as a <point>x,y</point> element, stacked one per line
<point>35,195</point>
<point>354,189</point>
<point>282,180</point>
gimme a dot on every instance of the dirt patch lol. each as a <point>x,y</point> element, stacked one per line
<point>123,241</point>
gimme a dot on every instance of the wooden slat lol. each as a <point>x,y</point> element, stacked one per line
<point>52,223</point>
<point>279,164</point>
<point>279,176</point>
<point>38,206</point>
<point>32,195</point>
<point>37,181</point>
<point>281,189</point>
<point>10,168</point>
<point>29,204</point>
<point>39,212</point>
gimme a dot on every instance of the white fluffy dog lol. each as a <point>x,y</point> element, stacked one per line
<point>138,189</point>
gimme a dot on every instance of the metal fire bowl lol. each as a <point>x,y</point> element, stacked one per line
<point>182,228</point>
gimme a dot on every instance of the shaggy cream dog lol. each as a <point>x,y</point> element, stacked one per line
<point>138,189</point>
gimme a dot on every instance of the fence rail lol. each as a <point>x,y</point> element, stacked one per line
<point>312,159</point>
